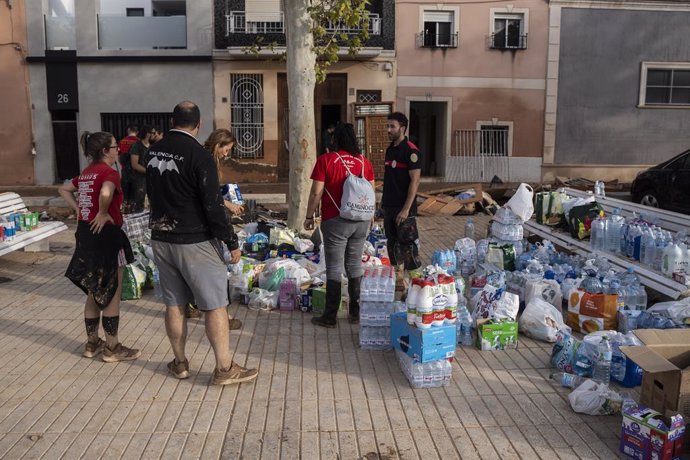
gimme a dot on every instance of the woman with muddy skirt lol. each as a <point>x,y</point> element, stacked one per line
<point>102,248</point>
<point>219,144</point>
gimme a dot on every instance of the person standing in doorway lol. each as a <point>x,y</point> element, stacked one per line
<point>135,171</point>
<point>188,226</point>
<point>327,140</point>
<point>399,202</point>
<point>102,248</point>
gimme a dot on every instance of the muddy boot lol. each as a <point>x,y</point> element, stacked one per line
<point>353,285</point>
<point>330,315</point>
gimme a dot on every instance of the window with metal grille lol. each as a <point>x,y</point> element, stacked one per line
<point>509,31</point>
<point>493,140</point>
<point>368,95</point>
<point>247,114</point>
<point>116,123</point>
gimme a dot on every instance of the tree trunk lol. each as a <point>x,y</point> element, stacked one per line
<point>301,79</point>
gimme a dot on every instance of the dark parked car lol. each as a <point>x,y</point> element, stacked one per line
<point>666,185</point>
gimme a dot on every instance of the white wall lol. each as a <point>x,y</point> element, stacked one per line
<point>119,7</point>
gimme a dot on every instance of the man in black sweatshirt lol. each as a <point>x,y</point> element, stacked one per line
<point>188,227</point>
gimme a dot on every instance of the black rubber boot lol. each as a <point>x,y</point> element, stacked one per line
<point>353,285</point>
<point>330,314</point>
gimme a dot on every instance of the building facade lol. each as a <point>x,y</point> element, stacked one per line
<point>251,93</point>
<point>103,65</point>
<point>472,79</point>
<point>618,91</point>
<point>16,149</point>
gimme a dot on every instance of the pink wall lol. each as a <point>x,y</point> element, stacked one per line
<point>472,59</point>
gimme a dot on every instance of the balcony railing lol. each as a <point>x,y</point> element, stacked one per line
<point>503,42</point>
<point>142,32</point>
<point>60,33</point>
<point>236,23</point>
<point>425,40</point>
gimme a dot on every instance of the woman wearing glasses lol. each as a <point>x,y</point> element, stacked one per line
<point>102,248</point>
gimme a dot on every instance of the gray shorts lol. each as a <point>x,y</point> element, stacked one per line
<point>192,273</point>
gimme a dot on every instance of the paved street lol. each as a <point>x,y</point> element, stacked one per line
<point>317,395</point>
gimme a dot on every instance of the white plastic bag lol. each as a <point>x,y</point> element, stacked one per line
<point>593,398</point>
<point>547,290</point>
<point>677,310</point>
<point>493,303</point>
<point>521,203</point>
<point>260,299</point>
<point>541,320</point>
<point>303,245</point>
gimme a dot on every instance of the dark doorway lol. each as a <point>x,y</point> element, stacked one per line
<point>427,131</point>
<point>330,115</point>
<point>66,141</point>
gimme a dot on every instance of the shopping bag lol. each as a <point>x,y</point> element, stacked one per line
<point>521,203</point>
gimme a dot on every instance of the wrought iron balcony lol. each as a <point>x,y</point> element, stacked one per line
<point>236,23</point>
<point>425,40</point>
<point>501,41</point>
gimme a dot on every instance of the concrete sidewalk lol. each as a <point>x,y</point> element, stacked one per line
<point>317,396</point>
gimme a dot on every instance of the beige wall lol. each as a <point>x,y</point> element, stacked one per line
<point>360,75</point>
<point>16,155</point>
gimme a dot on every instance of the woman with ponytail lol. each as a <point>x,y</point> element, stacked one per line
<point>102,248</point>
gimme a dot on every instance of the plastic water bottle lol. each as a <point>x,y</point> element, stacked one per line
<point>602,367</point>
<point>614,226</point>
<point>567,380</point>
<point>591,283</point>
<point>157,292</point>
<point>599,188</point>
<point>618,361</point>
<point>469,228</point>
<point>598,235</point>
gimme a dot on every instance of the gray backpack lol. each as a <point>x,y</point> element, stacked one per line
<point>359,199</point>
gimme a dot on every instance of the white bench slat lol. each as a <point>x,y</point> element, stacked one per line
<point>11,202</point>
<point>648,276</point>
<point>22,239</point>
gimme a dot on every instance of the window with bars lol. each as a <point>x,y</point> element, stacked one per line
<point>116,123</point>
<point>493,140</point>
<point>368,95</point>
<point>247,115</point>
<point>667,86</point>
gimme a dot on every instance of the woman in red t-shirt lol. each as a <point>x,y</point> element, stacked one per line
<point>102,248</point>
<point>343,240</point>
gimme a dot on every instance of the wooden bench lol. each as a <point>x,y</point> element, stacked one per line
<point>651,278</point>
<point>29,240</point>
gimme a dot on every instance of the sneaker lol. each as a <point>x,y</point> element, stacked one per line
<point>119,353</point>
<point>93,348</point>
<point>192,312</point>
<point>235,324</point>
<point>179,370</point>
<point>236,374</point>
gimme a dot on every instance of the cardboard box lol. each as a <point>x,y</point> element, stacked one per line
<point>318,303</point>
<point>647,434</point>
<point>665,359</point>
<point>423,345</point>
<point>497,335</point>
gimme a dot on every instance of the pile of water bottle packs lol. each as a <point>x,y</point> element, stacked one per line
<point>638,238</point>
<point>597,356</point>
<point>376,305</point>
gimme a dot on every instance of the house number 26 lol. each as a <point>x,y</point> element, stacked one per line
<point>63,98</point>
